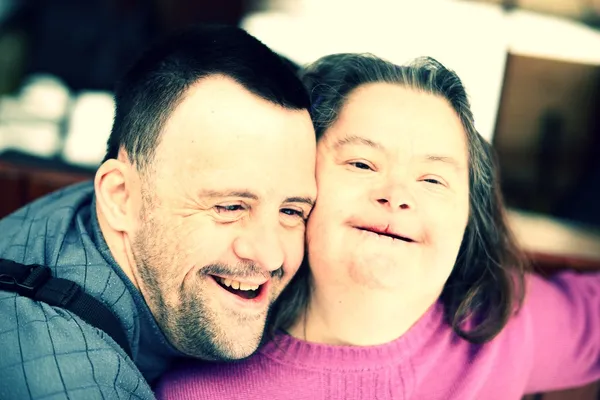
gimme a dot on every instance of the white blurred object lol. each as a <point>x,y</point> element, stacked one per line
<point>555,38</point>
<point>42,97</point>
<point>11,109</point>
<point>89,125</point>
<point>45,96</point>
<point>466,37</point>
<point>38,138</point>
<point>30,122</point>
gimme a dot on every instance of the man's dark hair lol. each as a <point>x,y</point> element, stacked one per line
<point>157,82</point>
<point>486,285</point>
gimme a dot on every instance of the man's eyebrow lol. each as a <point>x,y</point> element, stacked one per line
<point>249,195</point>
<point>306,200</point>
<point>228,193</point>
<point>354,139</point>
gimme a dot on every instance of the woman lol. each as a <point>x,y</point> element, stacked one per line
<point>415,288</point>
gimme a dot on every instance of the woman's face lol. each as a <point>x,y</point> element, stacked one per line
<point>393,184</point>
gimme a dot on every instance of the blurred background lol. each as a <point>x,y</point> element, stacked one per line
<point>531,68</point>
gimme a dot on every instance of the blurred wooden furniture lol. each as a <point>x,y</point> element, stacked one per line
<point>554,244</point>
<point>24,179</point>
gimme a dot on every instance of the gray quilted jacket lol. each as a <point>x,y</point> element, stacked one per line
<point>49,353</point>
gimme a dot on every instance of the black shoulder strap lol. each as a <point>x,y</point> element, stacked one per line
<point>37,283</point>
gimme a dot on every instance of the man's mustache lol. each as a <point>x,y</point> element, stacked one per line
<point>241,270</point>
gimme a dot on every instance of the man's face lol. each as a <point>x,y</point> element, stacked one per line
<point>393,190</point>
<point>222,219</point>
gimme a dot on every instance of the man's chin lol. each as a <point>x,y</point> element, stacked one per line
<point>233,353</point>
<point>242,339</point>
<point>243,355</point>
<point>237,342</point>
<point>221,334</point>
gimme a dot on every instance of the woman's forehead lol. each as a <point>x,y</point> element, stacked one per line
<point>397,118</point>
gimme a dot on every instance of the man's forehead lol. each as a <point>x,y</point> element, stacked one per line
<point>219,108</point>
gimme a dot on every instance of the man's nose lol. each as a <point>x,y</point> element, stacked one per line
<point>261,245</point>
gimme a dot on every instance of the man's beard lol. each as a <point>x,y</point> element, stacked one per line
<point>189,324</point>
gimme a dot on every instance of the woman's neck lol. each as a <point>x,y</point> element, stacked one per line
<point>356,316</point>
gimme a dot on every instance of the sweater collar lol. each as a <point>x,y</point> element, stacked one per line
<point>300,353</point>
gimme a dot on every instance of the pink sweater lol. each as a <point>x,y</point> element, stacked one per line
<point>553,343</point>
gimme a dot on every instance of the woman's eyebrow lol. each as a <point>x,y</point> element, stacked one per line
<point>354,139</point>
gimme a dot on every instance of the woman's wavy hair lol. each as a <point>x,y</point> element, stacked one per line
<point>486,285</point>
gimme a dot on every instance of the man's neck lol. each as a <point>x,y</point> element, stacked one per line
<point>118,246</point>
<point>356,316</point>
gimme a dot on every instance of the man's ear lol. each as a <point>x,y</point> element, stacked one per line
<point>115,184</point>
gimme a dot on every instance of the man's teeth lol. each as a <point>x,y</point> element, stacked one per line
<point>237,285</point>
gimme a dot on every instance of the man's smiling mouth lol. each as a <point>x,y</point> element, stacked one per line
<point>244,290</point>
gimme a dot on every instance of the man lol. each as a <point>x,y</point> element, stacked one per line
<point>192,227</point>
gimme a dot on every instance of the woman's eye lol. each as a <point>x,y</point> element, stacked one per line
<point>434,181</point>
<point>361,165</point>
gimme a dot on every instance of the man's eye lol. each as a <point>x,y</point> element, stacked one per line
<point>361,165</point>
<point>229,208</point>
<point>433,181</point>
<point>293,213</point>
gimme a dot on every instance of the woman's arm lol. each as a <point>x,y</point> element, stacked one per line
<point>564,316</point>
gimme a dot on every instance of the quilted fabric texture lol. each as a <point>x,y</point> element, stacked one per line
<point>50,353</point>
